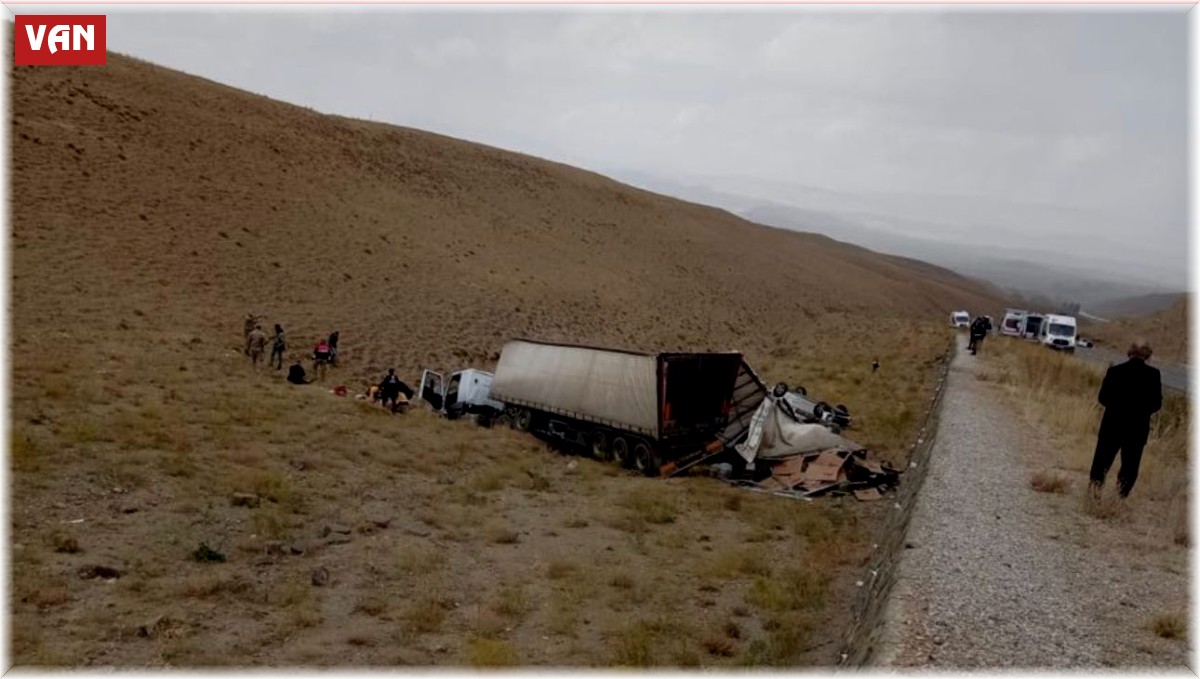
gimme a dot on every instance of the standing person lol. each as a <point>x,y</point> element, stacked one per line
<point>247,327</point>
<point>389,388</point>
<point>256,343</point>
<point>278,345</point>
<point>1131,393</point>
<point>333,350</point>
<point>321,356</point>
<point>978,332</point>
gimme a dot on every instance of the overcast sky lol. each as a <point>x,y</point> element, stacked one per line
<point>1065,108</point>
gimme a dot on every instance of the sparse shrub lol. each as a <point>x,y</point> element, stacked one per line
<point>1049,482</point>
<point>65,543</point>
<point>25,453</point>
<point>504,536</point>
<point>795,589</point>
<point>558,570</point>
<point>512,602</point>
<point>577,523</point>
<point>633,646</point>
<point>1102,505</point>
<point>1171,625</point>
<point>719,646</point>
<point>204,553</point>
<point>621,581</point>
<point>491,653</point>
<point>424,616</point>
<point>651,505</point>
<point>371,605</point>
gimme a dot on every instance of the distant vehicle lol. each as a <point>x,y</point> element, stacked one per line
<point>1059,332</point>
<point>959,319</point>
<point>1084,342</point>
<point>1014,322</point>
<point>1033,326</point>
<point>467,392</point>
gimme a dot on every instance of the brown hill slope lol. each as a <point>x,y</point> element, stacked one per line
<point>197,203</point>
<point>1166,330</point>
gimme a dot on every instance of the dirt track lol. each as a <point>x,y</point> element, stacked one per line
<point>998,575</point>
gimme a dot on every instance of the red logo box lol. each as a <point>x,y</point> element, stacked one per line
<point>59,40</point>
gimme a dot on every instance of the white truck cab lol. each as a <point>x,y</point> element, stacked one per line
<point>465,392</point>
<point>1059,332</point>
<point>960,319</point>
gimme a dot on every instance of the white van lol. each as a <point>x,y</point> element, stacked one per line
<point>1014,322</point>
<point>1059,332</point>
<point>959,319</point>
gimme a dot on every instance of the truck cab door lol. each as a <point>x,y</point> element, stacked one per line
<point>452,390</point>
<point>432,389</point>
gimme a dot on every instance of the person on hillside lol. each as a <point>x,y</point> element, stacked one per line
<point>1131,393</point>
<point>333,347</point>
<point>322,356</point>
<point>278,345</point>
<point>256,344</point>
<point>248,327</point>
<point>390,389</point>
<point>296,374</point>
<point>978,331</point>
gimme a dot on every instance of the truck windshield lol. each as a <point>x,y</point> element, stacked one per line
<point>1061,330</point>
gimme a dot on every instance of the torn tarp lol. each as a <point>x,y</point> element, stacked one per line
<point>775,433</point>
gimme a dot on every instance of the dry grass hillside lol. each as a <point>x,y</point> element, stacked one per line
<point>152,210</point>
<point>1166,330</point>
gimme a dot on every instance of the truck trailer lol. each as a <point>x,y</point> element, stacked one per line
<point>656,412</point>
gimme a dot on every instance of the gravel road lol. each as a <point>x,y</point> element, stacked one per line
<point>994,574</point>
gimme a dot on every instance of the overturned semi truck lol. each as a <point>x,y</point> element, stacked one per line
<point>656,412</point>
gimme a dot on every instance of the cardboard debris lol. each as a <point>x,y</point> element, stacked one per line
<point>837,471</point>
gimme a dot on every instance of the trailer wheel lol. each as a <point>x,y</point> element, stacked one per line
<point>620,451</point>
<point>600,446</point>
<point>524,420</point>
<point>644,459</point>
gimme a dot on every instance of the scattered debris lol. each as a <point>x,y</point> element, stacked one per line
<point>328,529</point>
<point>830,471</point>
<point>245,500</point>
<point>320,577</point>
<point>66,544</point>
<point>104,572</point>
<point>204,553</point>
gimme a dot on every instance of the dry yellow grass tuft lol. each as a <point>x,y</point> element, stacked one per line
<point>1170,625</point>
<point>492,653</point>
<point>1049,482</point>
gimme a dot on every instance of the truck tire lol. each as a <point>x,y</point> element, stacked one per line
<point>601,448</point>
<point>524,420</point>
<point>644,459</point>
<point>620,451</point>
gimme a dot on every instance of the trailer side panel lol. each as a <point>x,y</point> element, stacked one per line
<point>595,385</point>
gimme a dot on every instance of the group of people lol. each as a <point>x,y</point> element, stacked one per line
<point>256,342</point>
<point>324,354</point>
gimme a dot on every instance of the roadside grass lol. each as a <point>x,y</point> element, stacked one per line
<point>886,405</point>
<point>1060,392</point>
<point>1049,482</point>
<point>1169,625</point>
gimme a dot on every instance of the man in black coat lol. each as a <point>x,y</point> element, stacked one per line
<point>1130,394</point>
